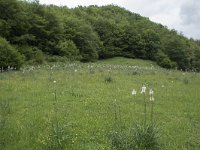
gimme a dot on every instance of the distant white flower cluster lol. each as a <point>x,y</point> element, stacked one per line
<point>143,91</point>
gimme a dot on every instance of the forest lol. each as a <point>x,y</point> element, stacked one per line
<point>31,33</point>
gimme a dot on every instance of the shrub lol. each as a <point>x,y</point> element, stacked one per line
<point>27,51</point>
<point>39,57</point>
<point>9,56</point>
<point>68,49</point>
<point>32,54</point>
<point>108,79</point>
<point>163,60</point>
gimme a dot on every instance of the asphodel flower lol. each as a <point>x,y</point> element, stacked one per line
<point>151,99</point>
<point>134,92</point>
<point>143,89</point>
<point>150,92</point>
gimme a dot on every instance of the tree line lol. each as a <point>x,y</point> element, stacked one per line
<point>32,33</point>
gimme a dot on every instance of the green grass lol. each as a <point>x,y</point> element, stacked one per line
<point>128,61</point>
<point>83,115</point>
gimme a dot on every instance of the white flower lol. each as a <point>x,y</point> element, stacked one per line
<point>75,70</point>
<point>54,81</point>
<point>150,92</point>
<point>134,92</point>
<point>143,89</point>
<point>151,99</point>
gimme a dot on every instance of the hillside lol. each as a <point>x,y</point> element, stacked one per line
<point>33,33</point>
<point>89,106</point>
<point>128,61</point>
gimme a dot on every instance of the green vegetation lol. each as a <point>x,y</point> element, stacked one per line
<point>55,101</point>
<point>91,33</point>
<point>82,111</point>
<point>9,56</point>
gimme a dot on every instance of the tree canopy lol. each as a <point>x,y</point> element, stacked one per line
<point>91,33</point>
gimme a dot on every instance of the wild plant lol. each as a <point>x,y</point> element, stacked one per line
<point>135,72</point>
<point>143,91</point>
<point>57,138</point>
<point>118,138</point>
<point>134,92</point>
<point>145,137</point>
<point>108,79</point>
<point>151,103</point>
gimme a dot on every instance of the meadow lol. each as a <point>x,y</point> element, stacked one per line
<point>77,106</point>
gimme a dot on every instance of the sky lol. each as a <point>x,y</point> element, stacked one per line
<point>181,15</point>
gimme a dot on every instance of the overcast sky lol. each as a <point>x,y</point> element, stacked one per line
<point>182,15</point>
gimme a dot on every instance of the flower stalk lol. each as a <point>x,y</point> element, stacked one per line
<point>151,103</point>
<point>145,105</point>
<point>134,92</point>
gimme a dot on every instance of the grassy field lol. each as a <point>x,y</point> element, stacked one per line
<point>77,106</point>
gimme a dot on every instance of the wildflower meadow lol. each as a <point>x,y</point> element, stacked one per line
<point>114,104</point>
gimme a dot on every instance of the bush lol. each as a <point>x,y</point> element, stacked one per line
<point>39,57</point>
<point>163,60</point>
<point>9,56</point>
<point>108,79</point>
<point>68,49</point>
<point>27,51</point>
<point>32,54</point>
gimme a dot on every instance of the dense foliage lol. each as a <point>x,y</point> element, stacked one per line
<point>9,56</point>
<point>91,33</point>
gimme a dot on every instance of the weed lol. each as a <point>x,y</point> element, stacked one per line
<point>108,79</point>
<point>58,138</point>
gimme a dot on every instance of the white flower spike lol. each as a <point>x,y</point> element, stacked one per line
<point>143,89</point>
<point>151,99</point>
<point>134,92</point>
<point>150,92</point>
